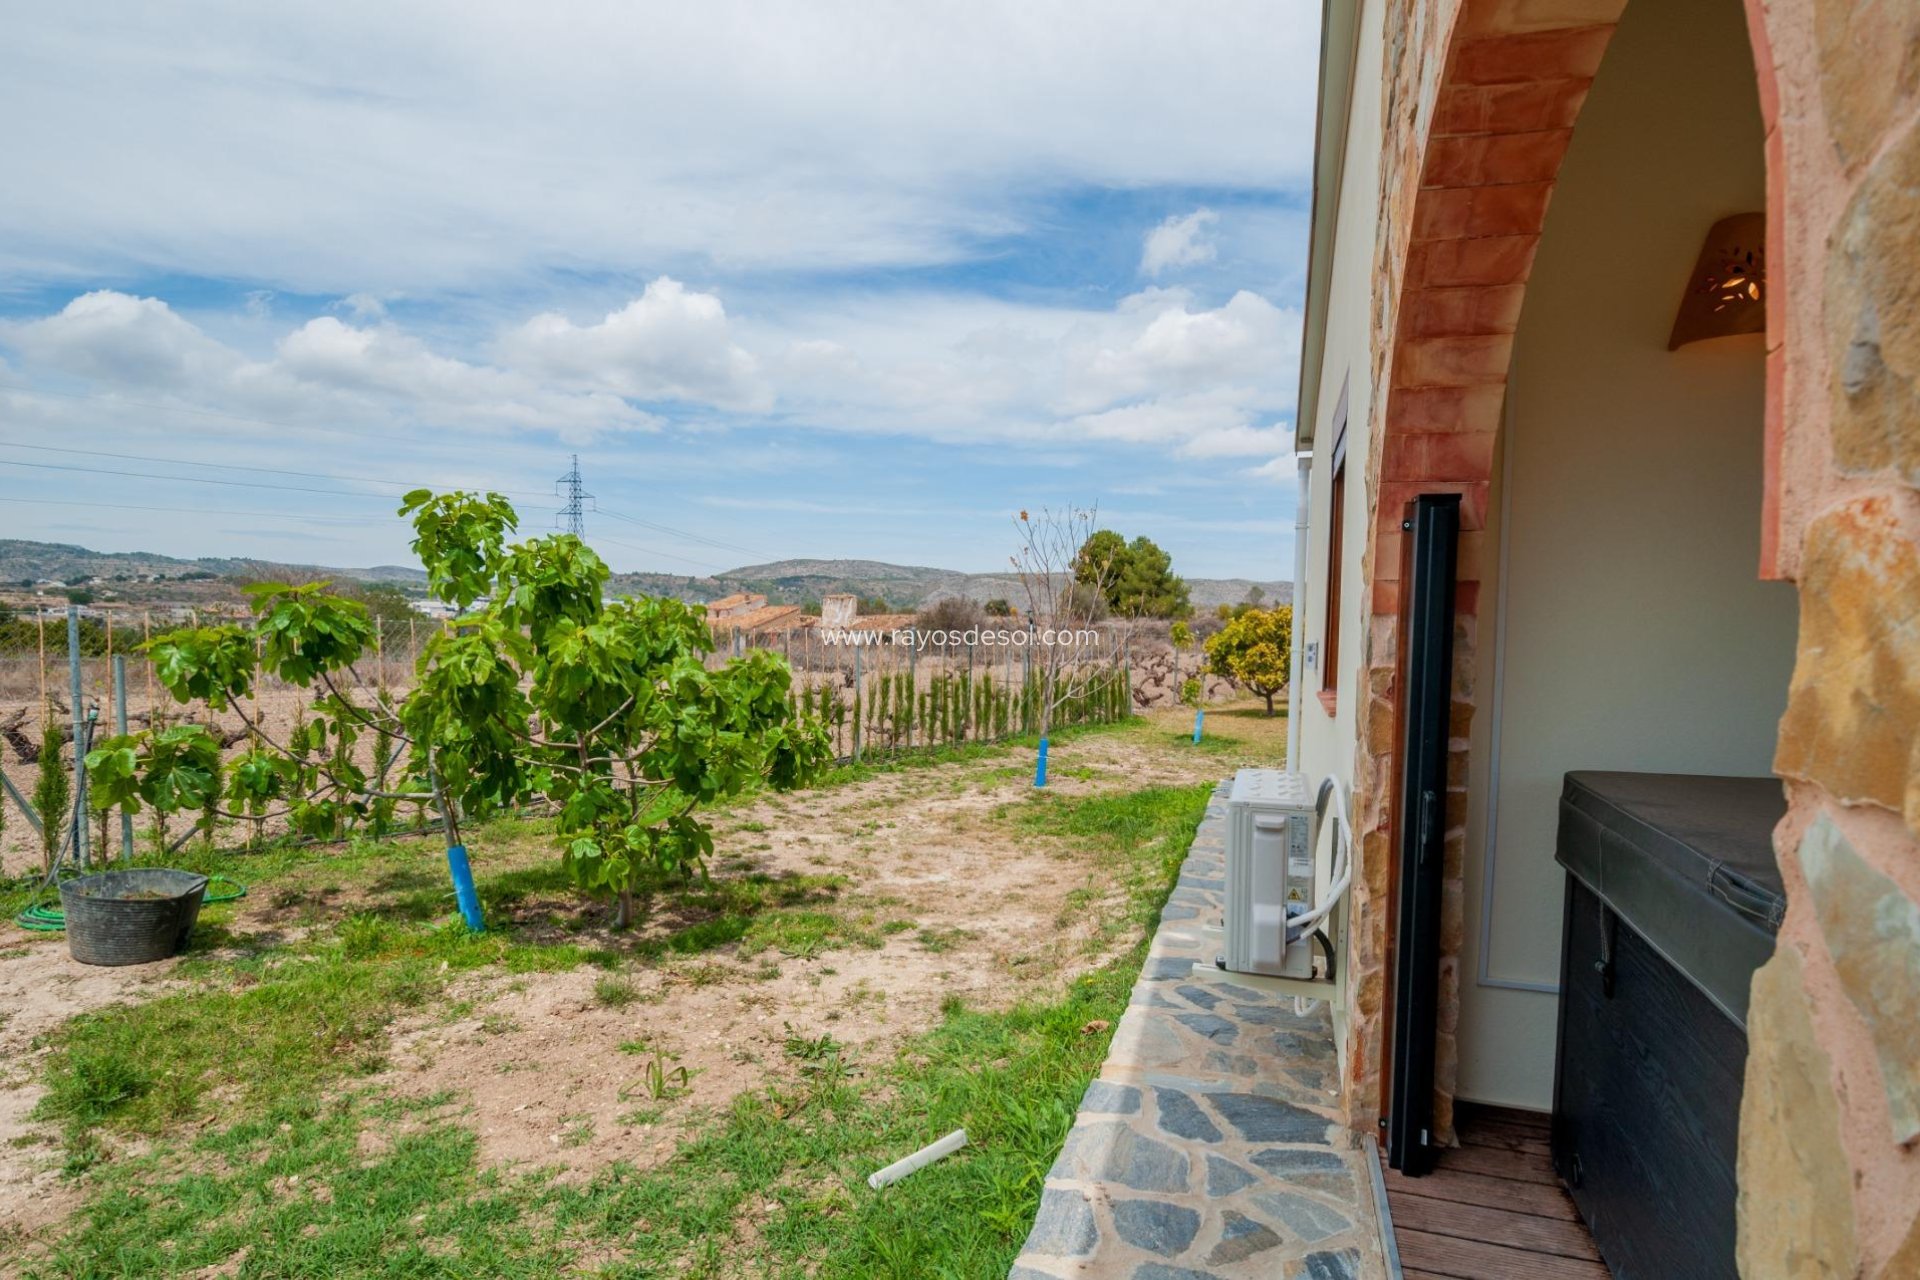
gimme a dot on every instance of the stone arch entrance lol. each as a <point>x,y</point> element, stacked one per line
<point>1479,101</point>
<point>1506,84</point>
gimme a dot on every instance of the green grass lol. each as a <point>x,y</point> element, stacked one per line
<point>292,1162</point>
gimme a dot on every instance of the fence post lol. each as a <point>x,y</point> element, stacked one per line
<point>80,833</point>
<point>858,703</point>
<point>120,727</point>
<point>1027,718</point>
<point>968,728</point>
<point>146,634</point>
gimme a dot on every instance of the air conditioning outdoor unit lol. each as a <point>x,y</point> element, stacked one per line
<point>1270,874</point>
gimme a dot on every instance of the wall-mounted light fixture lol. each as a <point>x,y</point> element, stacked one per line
<point>1727,292</point>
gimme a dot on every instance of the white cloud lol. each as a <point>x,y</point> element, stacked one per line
<point>112,337</point>
<point>336,146</point>
<point>1180,241</point>
<point>1238,442</point>
<point>1281,468</point>
<point>1159,371</point>
<point>1165,341</point>
<point>668,344</point>
<point>324,371</point>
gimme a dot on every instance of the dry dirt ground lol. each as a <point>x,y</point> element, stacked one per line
<point>930,887</point>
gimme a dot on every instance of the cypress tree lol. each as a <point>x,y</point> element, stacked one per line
<point>52,791</point>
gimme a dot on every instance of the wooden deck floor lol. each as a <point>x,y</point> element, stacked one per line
<point>1493,1209</point>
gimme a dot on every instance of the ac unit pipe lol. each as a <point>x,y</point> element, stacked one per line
<point>1341,872</point>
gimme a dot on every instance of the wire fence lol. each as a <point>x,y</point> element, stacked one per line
<point>50,663</point>
<point>880,697</point>
<point>882,692</point>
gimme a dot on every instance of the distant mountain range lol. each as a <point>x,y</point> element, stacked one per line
<point>909,586</point>
<point>146,576</point>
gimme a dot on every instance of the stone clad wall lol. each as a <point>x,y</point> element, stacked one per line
<point>1480,97</point>
<point>1829,1165</point>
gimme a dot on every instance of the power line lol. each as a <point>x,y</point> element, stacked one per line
<point>232,484</point>
<point>334,493</point>
<point>654,551</point>
<point>670,530</point>
<point>383,436</point>
<point>190,511</point>
<point>298,516</point>
<point>715,543</point>
<point>235,466</point>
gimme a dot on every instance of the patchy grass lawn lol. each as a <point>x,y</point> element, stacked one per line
<point>340,1081</point>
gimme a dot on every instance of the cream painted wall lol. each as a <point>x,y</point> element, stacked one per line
<point>1632,630</point>
<point>1327,742</point>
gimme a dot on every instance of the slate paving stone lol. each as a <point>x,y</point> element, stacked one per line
<point>1240,1238</point>
<point>1292,1044</point>
<point>1160,1271</point>
<point>1238,1064</point>
<point>1274,1015</point>
<point>1224,1177</point>
<point>1313,1170</point>
<point>1112,1152</point>
<point>1162,968</point>
<point>1103,1097</point>
<point>1211,1025</point>
<point>1199,996</point>
<point>1309,1219</point>
<point>1064,1227</point>
<point>1261,1119</point>
<point>1156,1226</point>
<point>1182,1117</point>
<point>1343,1265</point>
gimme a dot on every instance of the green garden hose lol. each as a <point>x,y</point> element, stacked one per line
<point>42,919</point>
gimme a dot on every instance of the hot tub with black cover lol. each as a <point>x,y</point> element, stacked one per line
<point>1673,899</point>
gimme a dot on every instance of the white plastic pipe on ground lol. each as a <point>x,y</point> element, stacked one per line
<point>918,1160</point>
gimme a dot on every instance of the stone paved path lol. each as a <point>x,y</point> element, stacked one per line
<point>1210,1145</point>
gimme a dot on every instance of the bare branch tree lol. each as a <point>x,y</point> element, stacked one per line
<point>1066,597</point>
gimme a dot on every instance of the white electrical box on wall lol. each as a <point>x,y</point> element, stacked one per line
<point>1270,872</point>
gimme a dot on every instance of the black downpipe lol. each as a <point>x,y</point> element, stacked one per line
<point>1434,529</point>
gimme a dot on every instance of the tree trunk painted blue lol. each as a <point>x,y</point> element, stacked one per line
<point>1040,766</point>
<point>463,891</point>
<point>1199,724</point>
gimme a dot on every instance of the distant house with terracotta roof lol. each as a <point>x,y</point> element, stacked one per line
<point>761,618</point>
<point>734,605</point>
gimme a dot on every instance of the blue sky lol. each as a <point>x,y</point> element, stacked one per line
<point>843,279</point>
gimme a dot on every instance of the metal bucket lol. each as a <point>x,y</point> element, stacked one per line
<point>131,917</point>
